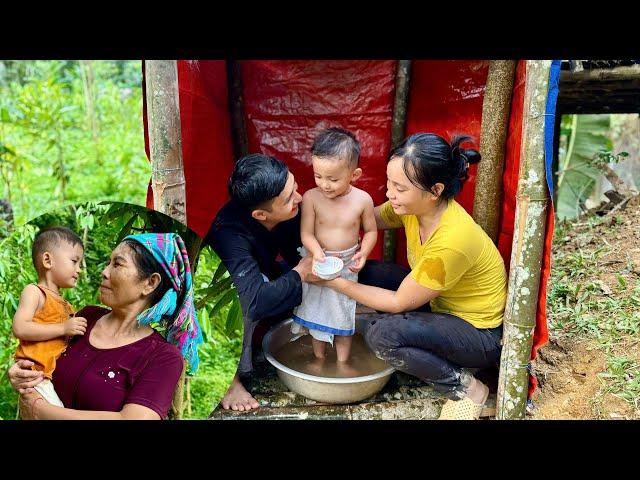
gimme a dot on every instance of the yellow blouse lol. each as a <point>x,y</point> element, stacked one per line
<point>460,261</point>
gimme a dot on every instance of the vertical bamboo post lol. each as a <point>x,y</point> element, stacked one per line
<point>165,139</point>
<point>398,124</point>
<point>495,123</point>
<point>165,145</point>
<point>236,109</point>
<point>528,242</point>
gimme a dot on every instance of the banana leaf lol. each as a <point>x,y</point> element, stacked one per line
<point>577,176</point>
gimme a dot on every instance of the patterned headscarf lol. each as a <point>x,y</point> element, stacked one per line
<point>170,252</point>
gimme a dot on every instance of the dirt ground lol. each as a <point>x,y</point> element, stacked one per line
<point>569,368</point>
<point>570,388</point>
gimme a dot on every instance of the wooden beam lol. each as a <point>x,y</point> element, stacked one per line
<point>398,124</point>
<point>628,72</point>
<point>236,110</point>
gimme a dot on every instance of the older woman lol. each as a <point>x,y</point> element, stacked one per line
<point>121,368</point>
<point>455,269</point>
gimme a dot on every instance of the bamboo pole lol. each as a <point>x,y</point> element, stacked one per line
<point>236,109</point>
<point>177,402</point>
<point>165,145</point>
<point>398,124</point>
<point>527,248</point>
<point>629,72</point>
<point>165,138</point>
<point>495,124</point>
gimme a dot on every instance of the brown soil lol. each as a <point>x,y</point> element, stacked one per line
<point>567,367</point>
<point>570,388</point>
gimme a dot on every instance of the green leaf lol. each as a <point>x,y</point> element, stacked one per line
<point>226,299</point>
<point>114,211</point>
<point>126,230</point>
<point>213,291</point>
<point>205,323</point>
<point>234,318</point>
<point>577,175</point>
<point>4,149</point>
<point>220,271</point>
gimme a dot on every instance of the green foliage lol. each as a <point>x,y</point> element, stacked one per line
<point>219,357</point>
<point>102,225</point>
<point>587,144</point>
<point>580,304</point>
<point>623,379</point>
<point>606,157</point>
<point>71,131</point>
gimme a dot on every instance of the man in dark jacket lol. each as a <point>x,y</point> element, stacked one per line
<point>256,235</point>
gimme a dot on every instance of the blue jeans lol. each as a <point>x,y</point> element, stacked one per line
<point>435,347</point>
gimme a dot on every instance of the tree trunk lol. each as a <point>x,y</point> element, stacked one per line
<point>165,138</point>
<point>495,123</point>
<point>528,243</point>
<point>165,145</point>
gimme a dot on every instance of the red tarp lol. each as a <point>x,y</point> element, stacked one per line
<point>288,102</point>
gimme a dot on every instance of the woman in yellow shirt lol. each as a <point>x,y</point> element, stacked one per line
<point>457,280</point>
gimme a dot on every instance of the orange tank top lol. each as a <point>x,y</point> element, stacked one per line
<point>45,353</point>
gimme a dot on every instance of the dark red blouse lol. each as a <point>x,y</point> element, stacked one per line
<point>144,372</point>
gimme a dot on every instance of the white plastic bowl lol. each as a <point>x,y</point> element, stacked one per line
<point>329,269</point>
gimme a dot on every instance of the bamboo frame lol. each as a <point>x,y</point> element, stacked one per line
<point>165,138</point>
<point>495,124</point>
<point>528,243</point>
<point>165,145</point>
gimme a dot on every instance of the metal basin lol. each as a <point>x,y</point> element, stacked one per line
<point>321,389</point>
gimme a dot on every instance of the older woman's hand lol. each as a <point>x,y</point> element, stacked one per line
<point>22,377</point>
<point>28,404</point>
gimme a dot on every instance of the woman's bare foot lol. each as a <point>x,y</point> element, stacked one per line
<point>238,398</point>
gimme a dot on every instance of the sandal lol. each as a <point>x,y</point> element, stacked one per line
<point>463,409</point>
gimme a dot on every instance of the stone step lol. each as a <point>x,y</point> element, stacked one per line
<point>404,397</point>
<point>413,409</point>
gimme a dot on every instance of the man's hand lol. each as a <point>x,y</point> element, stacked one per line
<point>305,269</point>
<point>75,326</point>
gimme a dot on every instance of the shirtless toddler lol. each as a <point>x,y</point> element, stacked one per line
<point>332,215</point>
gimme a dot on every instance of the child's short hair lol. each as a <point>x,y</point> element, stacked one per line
<point>337,142</point>
<point>50,237</point>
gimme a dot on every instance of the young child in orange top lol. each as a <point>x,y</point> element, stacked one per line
<point>43,318</point>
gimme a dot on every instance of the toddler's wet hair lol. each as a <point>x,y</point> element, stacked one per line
<point>337,143</point>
